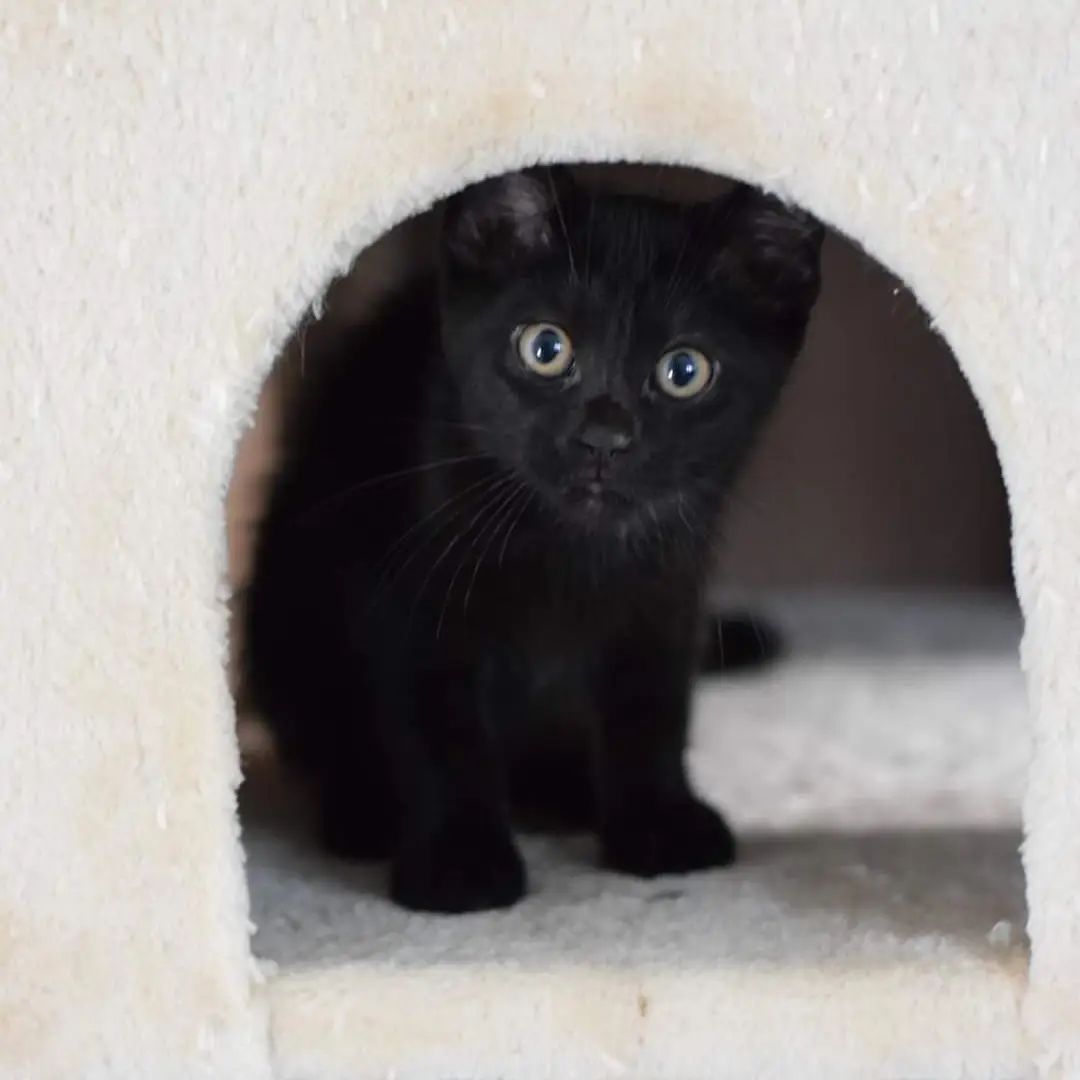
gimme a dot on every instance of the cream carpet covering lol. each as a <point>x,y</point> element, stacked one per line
<point>875,925</point>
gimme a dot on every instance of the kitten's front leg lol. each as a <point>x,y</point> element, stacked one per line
<point>651,822</point>
<point>457,852</point>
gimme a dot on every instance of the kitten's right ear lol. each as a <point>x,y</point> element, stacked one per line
<point>504,221</point>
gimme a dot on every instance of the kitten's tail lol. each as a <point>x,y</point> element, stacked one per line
<point>737,641</point>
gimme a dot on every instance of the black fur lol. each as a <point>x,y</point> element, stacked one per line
<point>479,587</point>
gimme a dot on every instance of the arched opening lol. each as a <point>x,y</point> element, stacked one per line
<point>876,768</point>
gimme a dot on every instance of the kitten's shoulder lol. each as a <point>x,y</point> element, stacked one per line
<point>368,365</point>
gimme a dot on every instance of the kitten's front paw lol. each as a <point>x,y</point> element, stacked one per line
<point>673,836</point>
<point>464,867</point>
<point>356,837</point>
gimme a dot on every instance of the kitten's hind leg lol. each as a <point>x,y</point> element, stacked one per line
<point>456,853</point>
<point>551,788</point>
<point>338,744</point>
<point>359,815</point>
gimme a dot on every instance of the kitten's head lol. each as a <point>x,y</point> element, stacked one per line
<point>620,353</point>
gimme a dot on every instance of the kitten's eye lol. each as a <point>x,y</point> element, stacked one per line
<point>545,349</point>
<point>684,373</point>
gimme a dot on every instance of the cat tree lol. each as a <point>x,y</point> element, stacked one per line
<point>180,182</point>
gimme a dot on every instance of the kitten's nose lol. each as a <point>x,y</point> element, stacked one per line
<point>607,428</point>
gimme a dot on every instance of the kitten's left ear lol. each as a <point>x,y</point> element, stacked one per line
<point>770,252</point>
<point>507,220</point>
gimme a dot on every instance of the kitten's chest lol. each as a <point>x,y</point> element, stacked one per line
<point>535,606</point>
<point>544,664</point>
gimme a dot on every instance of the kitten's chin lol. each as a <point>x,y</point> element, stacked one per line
<point>598,508</point>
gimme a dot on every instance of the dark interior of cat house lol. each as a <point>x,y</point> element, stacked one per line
<point>859,769</point>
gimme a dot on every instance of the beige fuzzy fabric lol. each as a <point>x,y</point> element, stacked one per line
<point>873,926</point>
<point>180,182</point>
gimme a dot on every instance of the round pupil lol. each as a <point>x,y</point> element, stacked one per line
<point>546,347</point>
<point>682,368</point>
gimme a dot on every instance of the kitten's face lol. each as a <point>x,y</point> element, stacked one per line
<point>620,354</point>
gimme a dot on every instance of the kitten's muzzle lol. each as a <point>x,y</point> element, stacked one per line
<point>607,427</point>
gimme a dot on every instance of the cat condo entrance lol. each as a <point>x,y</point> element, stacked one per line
<point>872,773</point>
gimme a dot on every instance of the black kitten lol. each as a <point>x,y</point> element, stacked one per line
<point>479,582</point>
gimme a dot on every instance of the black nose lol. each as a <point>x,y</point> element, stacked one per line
<point>607,428</point>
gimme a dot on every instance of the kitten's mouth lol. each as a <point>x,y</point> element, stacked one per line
<point>593,497</point>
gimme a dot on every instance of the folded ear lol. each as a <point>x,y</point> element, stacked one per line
<point>769,252</point>
<point>507,220</point>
